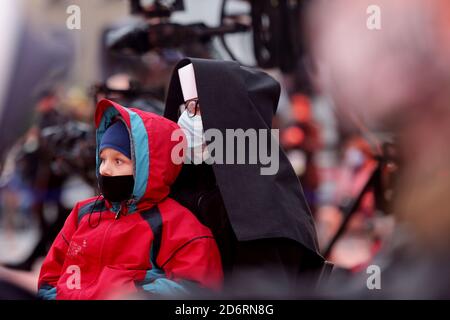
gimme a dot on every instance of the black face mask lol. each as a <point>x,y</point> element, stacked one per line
<point>116,188</point>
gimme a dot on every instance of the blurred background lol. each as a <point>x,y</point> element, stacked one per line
<point>363,115</point>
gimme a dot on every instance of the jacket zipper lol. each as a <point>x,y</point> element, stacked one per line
<point>118,212</point>
<point>106,234</point>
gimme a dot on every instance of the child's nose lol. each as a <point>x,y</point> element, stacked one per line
<point>105,170</point>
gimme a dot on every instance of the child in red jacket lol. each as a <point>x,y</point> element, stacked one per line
<point>133,237</point>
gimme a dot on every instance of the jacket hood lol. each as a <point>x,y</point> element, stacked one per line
<point>151,149</point>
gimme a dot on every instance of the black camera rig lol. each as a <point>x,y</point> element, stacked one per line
<point>274,24</point>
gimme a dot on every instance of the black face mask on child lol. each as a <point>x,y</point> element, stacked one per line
<point>116,188</point>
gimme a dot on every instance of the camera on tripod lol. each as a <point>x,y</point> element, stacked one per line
<point>156,32</point>
<point>277,40</point>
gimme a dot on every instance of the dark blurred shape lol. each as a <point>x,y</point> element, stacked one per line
<point>72,148</point>
<point>132,79</point>
<point>277,40</point>
<point>135,96</point>
<point>275,25</point>
<point>276,35</point>
<point>42,60</point>
<point>156,8</point>
<point>8,291</point>
<point>142,37</point>
<point>380,182</point>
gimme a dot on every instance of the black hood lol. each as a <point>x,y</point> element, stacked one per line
<point>258,206</point>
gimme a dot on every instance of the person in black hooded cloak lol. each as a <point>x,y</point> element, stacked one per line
<point>262,223</point>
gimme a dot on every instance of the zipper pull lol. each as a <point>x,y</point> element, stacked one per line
<point>118,212</point>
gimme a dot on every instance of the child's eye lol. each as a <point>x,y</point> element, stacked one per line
<point>118,161</point>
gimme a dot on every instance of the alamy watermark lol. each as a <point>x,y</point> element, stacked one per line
<point>73,21</point>
<point>374,280</point>
<point>374,19</point>
<point>235,146</point>
<point>73,282</point>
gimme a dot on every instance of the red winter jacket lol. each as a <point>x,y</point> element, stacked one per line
<point>155,244</point>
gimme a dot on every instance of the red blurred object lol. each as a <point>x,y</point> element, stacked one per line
<point>301,108</point>
<point>292,137</point>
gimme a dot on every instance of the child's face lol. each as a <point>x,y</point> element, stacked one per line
<point>115,163</point>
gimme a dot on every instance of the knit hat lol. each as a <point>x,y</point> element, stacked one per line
<point>117,137</point>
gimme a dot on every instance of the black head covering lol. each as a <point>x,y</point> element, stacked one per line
<point>258,206</point>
